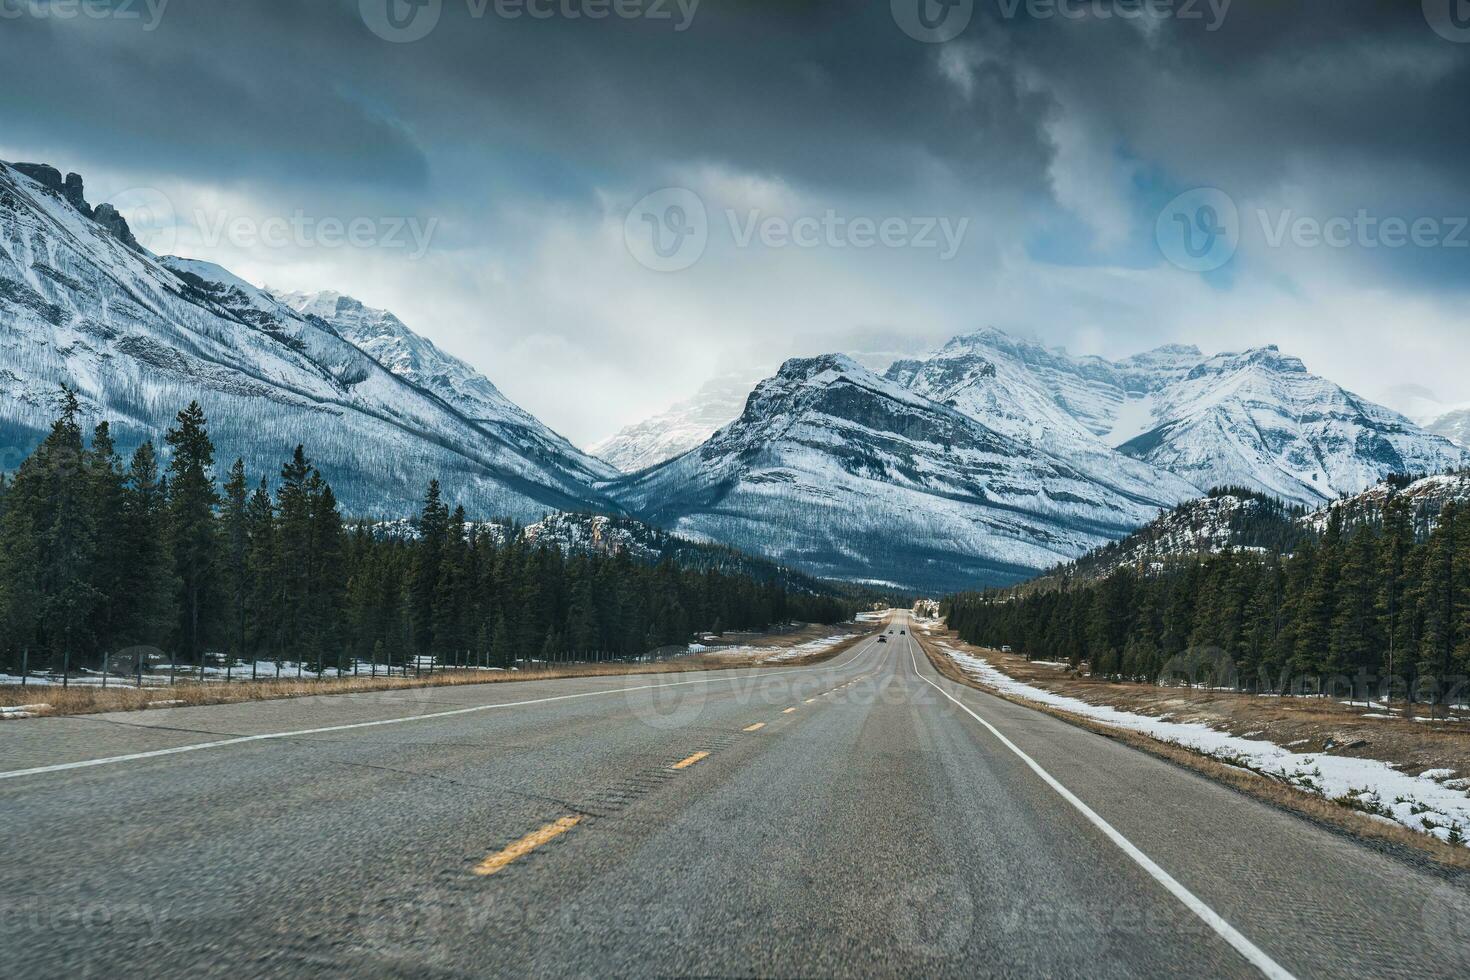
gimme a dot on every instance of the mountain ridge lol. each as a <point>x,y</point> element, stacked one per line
<point>86,305</point>
<point>988,460</point>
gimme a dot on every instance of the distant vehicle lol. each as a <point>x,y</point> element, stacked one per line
<point>903,631</point>
<point>1005,649</point>
<point>882,639</point>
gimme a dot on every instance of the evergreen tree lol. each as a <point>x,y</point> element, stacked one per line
<point>326,579</point>
<point>106,493</point>
<point>433,526</point>
<point>148,585</point>
<point>237,579</point>
<point>1440,598</point>
<point>192,534</point>
<point>1355,641</point>
<point>262,631</point>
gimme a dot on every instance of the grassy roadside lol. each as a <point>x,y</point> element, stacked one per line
<point>81,700</point>
<point>1391,838</point>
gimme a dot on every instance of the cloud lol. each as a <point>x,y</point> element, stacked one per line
<point>524,141</point>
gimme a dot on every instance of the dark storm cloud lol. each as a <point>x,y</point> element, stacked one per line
<point>827,94</point>
<point>216,91</point>
<point>822,93</point>
<point>1363,87</point>
<point>1058,136</point>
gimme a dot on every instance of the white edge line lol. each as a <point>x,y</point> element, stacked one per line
<point>242,739</point>
<point>1211,918</point>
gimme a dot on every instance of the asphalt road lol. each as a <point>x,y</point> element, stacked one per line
<point>880,820</point>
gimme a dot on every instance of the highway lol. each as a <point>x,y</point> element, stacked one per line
<point>864,816</point>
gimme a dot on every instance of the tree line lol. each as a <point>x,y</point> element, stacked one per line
<point>1376,603</point>
<point>99,556</point>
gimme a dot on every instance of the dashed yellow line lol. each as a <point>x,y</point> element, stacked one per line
<point>525,845</point>
<point>686,763</point>
<point>788,711</point>
<point>754,728</point>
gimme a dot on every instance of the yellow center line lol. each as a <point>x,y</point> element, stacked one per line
<point>754,728</point>
<point>810,700</point>
<point>686,763</point>
<point>526,845</point>
<point>788,711</point>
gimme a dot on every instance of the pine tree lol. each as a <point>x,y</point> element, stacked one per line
<point>1313,653</point>
<point>293,559</point>
<point>502,649</point>
<point>105,493</point>
<point>262,637</point>
<point>236,534</point>
<point>433,525</point>
<point>192,535</point>
<point>67,538</point>
<point>327,582</point>
<point>1354,641</point>
<point>1396,543</point>
<point>1438,600</point>
<point>148,584</point>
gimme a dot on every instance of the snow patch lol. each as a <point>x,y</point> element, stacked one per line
<point>1419,803</point>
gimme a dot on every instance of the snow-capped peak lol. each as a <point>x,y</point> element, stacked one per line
<point>138,338</point>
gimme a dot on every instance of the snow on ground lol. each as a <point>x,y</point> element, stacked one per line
<point>806,649</point>
<point>265,670</point>
<point>23,711</point>
<point>1429,803</point>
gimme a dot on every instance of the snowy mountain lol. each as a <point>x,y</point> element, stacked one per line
<point>1445,419</point>
<point>385,338</point>
<point>1454,425</point>
<point>680,427</point>
<point>1097,395</point>
<point>1238,520</point>
<point>988,461</point>
<point>1046,400</point>
<point>847,474</point>
<point>1256,419</point>
<point>1242,520</point>
<point>1259,419</point>
<point>138,337</point>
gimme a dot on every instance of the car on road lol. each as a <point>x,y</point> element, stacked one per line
<point>882,638</point>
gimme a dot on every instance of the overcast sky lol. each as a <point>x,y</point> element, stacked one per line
<point>825,175</point>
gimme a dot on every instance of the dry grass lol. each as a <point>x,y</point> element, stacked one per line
<point>1305,724</point>
<point>90,699</point>
<point>1396,839</point>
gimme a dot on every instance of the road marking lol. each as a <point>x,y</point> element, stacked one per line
<point>810,700</point>
<point>526,845</point>
<point>686,763</point>
<point>788,711</point>
<point>754,728</point>
<point>270,736</point>
<point>1253,953</point>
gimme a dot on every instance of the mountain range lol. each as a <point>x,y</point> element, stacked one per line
<point>986,461</point>
<point>139,336</point>
<point>1246,520</point>
<point>680,427</point>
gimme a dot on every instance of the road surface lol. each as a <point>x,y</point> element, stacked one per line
<point>861,817</point>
